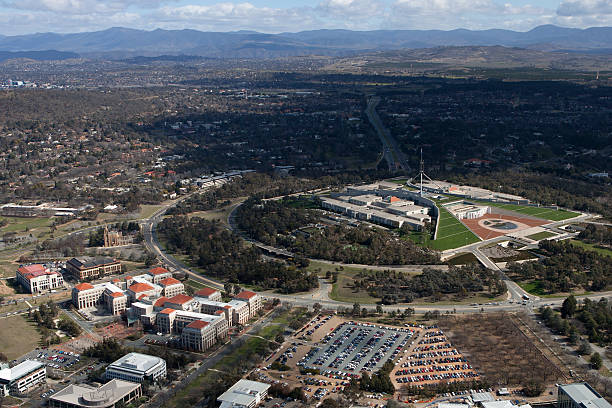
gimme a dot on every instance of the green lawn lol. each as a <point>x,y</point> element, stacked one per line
<point>462,259</point>
<point>342,292</point>
<point>592,247</point>
<point>451,233</point>
<point>17,336</point>
<point>541,235</point>
<point>35,226</point>
<point>146,210</point>
<point>538,212</point>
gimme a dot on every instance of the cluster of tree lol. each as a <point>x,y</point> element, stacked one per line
<point>597,234</point>
<point>45,317</point>
<point>107,350</point>
<point>398,287</point>
<point>283,391</point>
<point>222,254</point>
<point>566,268</point>
<point>96,238</point>
<point>276,223</point>
<point>68,246</point>
<point>431,390</point>
<point>379,381</point>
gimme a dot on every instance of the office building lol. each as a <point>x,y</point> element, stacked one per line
<point>106,396</point>
<point>22,377</point>
<point>136,367</point>
<point>38,278</point>
<point>84,268</point>
<point>244,394</point>
<point>580,395</point>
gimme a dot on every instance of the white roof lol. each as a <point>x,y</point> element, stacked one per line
<point>497,404</point>
<point>243,392</point>
<point>583,394</point>
<point>452,405</point>
<point>106,395</point>
<point>482,396</point>
<point>20,370</point>
<point>136,362</point>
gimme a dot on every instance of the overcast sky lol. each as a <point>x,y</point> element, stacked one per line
<point>273,16</point>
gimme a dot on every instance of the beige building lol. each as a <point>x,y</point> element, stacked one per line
<point>85,268</point>
<point>253,299</point>
<point>158,274</point>
<point>198,336</point>
<point>19,379</point>
<point>210,294</point>
<point>171,287</point>
<point>110,395</point>
<point>38,278</point>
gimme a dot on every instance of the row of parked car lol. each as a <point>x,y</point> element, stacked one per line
<point>432,369</point>
<point>437,377</point>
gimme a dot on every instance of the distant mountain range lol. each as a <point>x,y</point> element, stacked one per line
<point>37,55</point>
<point>125,42</point>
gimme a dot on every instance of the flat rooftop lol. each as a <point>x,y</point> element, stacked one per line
<point>136,362</point>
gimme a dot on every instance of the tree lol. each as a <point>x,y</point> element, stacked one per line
<point>317,308</point>
<point>356,309</point>
<point>584,349</point>
<point>379,309</point>
<point>568,308</point>
<point>596,361</point>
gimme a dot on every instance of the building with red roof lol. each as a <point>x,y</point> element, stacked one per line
<point>172,287</point>
<point>37,278</point>
<point>253,299</point>
<point>158,274</point>
<point>210,294</point>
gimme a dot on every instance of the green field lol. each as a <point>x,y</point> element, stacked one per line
<point>538,212</point>
<point>17,336</point>
<point>462,259</point>
<point>451,233</point>
<point>342,292</point>
<point>541,235</point>
<point>592,247</point>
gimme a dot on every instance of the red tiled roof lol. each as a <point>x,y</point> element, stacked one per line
<point>160,302</point>
<point>206,291</point>
<point>227,307</point>
<point>158,271</point>
<point>198,324</point>
<point>129,277</point>
<point>219,312</point>
<point>140,287</point>
<point>142,296</point>
<point>34,271</point>
<point>117,294</point>
<point>180,299</point>
<point>116,280</point>
<point>246,294</point>
<point>169,281</point>
<point>83,286</point>
<point>167,311</point>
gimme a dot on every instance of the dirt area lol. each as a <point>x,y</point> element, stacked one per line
<point>79,344</point>
<point>491,341</point>
<point>117,330</point>
<point>498,251</point>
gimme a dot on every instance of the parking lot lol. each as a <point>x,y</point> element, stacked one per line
<point>432,360</point>
<point>54,358</point>
<point>354,347</point>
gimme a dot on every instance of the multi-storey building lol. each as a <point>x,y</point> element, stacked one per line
<point>136,367</point>
<point>210,294</point>
<point>110,395</point>
<point>171,287</point>
<point>198,336</point>
<point>158,274</point>
<point>22,377</point>
<point>85,268</point>
<point>580,395</point>
<point>244,394</point>
<point>38,278</point>
<point>253,299</point>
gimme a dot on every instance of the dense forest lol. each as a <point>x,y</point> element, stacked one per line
<point>277,223</point>
<point>394,287</point>
<point>597,234</point>
<point>222,254</point>
<point>566,268</point>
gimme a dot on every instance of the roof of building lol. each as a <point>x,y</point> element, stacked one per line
<point>25,368</point>
<point>497,404</point>
<point>158,270</point>
<point>585,395</point>
<point>136,362</point>
<point>246,294</point>
<point>85,262</point>
<point>140,287</point>
<point>197,324</point>
<point>83,286</point>
<point>117,294</point>
<point>180,299</point>
<point>482,396</point>
<point>115,280</point>
<point>160,302</point>
<point>206,292</point>
<point>167,311</point>
<point>33,271</point>
<point>104,396</point>
<point>243,392</point>
<point>170,281</point>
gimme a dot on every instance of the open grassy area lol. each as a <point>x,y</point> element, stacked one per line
<point>342,291</point>
<point>541,235</point>
<point>17,336</point>
<point>219,214</point>
<point>538,212</point>
<point>592,247</point>
<point>462,259</point>
<point>146,211</point>
<point>451,233</point>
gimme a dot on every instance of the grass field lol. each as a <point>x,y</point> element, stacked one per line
<point>592,247</point>
<point>541,235</point>
<point>462,259</point>
<point>17,336</point>
<point>343,292</point>
<point>146,211</point>
<point>538,212</point>
<point>451,233</point>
